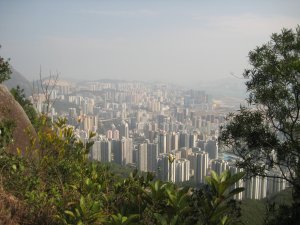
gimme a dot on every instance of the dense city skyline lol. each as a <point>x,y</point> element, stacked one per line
<point>158,128</point>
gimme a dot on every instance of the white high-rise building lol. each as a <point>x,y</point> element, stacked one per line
<point>175,141</point>
<point>83,107</point>
<point>182,167</point>
<point>152,154</point>
<point>200,166</point>
<point>87,106</point>
<point>256,187</point>
<point>162,141</point>
<point>233,170</point>
<point>166,168</point>
<point>263,187</point>
<point>122,150</point>
<point>118,154</point>
<point>105,151</point>
<point>219,165</point>
<point>90,123</point>
<point>124,129</point>
<point>115,135</point>
<point>212,148</point>
<point>193,139</point>
<point>128,150</point>
<point>90,106</point>
<point>109,134</point>
<point>142,157</point>
<point>275,184</point>
<point>185,152</point>
<point>184,139</point>
<point>95,151</point>
<point>168,142</point>
<point>101,151</point>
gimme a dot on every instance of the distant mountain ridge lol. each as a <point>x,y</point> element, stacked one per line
<point>16,78</point>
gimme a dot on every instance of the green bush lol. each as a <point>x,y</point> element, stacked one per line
<point>59,185</point>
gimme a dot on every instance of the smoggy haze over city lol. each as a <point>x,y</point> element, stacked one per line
<point>183,42</point>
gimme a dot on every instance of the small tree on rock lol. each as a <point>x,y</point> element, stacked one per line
<point>4,69</point>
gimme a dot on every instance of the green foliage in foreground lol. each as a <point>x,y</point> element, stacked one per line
<point>5,70</point>
<point>6,132</point>
<point>57,184</point>
<point>265,134</point>
<point>20,97</point>
<point>253,212</point>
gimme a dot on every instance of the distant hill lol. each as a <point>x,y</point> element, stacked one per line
<point>17,78</point>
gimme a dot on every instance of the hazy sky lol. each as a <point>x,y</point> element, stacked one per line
<point>179,41</point>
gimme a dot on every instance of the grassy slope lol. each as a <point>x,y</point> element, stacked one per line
<point>253,211</point>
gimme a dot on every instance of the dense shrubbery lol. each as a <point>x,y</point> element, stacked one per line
<point>57,184</point>
<point>20,97</point>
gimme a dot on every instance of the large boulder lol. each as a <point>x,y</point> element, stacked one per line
<point>11,110</point>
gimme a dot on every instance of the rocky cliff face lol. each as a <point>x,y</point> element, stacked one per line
<point>10,109</point>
